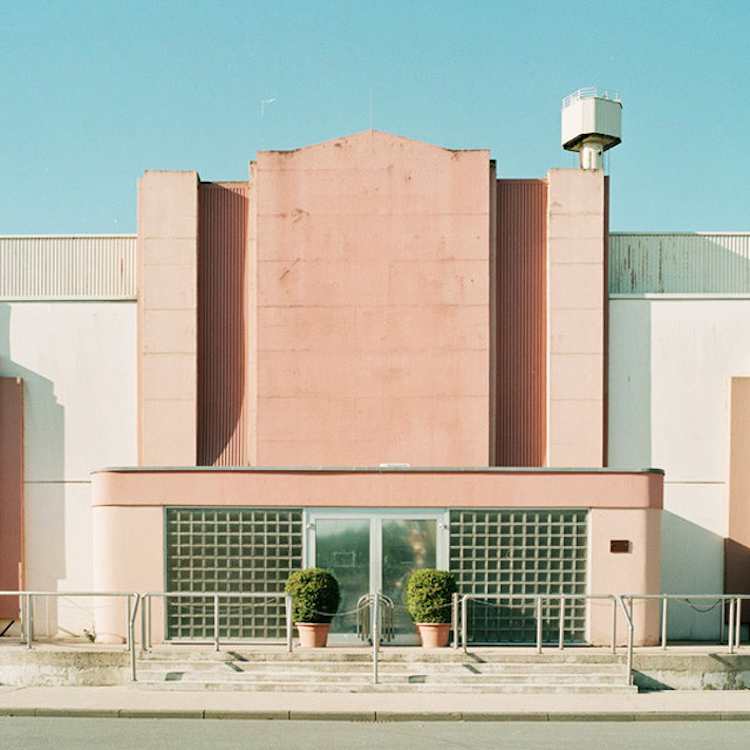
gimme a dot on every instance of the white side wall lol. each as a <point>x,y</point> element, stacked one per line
<point>670,363</point>
<point>78,363</point>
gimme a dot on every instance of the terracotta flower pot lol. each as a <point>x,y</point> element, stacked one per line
<point>313,634</point>
<point>434,634</point>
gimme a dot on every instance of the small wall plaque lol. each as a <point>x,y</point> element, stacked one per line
<point>619,545</point>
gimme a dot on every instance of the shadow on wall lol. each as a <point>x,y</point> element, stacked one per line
<point>44,489</point>
<point>692,563</point>
<point>221,325</point>
<point>629,398</point>
<point>737,573</point>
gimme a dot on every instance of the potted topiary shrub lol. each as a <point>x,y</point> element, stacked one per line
<point>429,594</point>
<point>315,600</point>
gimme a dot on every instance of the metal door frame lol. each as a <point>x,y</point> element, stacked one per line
<point>376,516</point>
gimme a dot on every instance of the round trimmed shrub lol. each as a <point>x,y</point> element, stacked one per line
<point>315,595</point>
<point>428,595</point>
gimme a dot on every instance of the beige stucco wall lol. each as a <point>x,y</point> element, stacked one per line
<point>128,557</point>
<point>576,317</point>
<point>372,290</point>
<point>167,322</point>
<point>77,361</point>
<point>637,571</point>
<point>674,359</point>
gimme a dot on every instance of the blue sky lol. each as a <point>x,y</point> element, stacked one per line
<point>96,92</point>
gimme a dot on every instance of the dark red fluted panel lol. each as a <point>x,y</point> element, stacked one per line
<point>521,322</point>
<point>222,249</point>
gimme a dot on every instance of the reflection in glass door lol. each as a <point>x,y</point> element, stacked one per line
<point>370,552</point>
<point>342,545</point>
<point>407,545</point>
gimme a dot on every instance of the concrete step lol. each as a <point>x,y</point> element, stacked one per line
<point>368,687</point>
<point>387,655</point>
<point>385,677</point>
<point>332,670</point>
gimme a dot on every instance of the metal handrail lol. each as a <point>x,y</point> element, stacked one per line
<point>590,92</point>
<point>738,615</point>
<point>734,600</point>
<point>368,611</point>
<point>27,606</point>
<point>380,622</point>
<point>455,618</point>
<point>387,618</point>
<point>537,599</point>
<point>629,621</point>
<point>131,637</point>
<point>216,596</point>
<point>27,613</point>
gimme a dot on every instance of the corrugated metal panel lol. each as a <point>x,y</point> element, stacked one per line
<point>521,322</point>
<point>222,249</point>
<point>67,268</point>
<point>679,264</point>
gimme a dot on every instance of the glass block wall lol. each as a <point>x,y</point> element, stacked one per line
<point>230,549</point>
<point>520,552</point>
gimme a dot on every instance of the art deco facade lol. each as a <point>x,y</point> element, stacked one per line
<point>373,355</point>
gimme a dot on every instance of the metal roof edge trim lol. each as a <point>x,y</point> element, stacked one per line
<point>66,298</point>
<point>375,470</point>
<point>66,236</point>
<point>666,296</point>
<point>678,234</point>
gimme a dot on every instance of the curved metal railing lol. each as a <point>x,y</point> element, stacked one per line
<point>375,620</point>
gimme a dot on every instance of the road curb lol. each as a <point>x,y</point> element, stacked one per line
<point>376,716</point>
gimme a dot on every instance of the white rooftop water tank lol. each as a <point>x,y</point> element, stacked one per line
<point>591,124</point>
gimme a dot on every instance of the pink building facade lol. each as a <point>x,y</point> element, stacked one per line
<point>373,356</point>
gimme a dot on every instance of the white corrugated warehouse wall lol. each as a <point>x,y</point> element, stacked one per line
<point>68,328</point>
<point>679,329</point>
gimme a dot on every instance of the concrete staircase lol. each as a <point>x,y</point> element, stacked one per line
<point>400,670</point>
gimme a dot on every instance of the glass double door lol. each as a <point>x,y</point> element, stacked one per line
<point>370,552</point>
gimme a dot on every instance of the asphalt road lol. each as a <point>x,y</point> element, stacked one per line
<point>40,733</point>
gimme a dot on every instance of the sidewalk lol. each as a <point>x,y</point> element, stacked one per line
<point>126,702</point>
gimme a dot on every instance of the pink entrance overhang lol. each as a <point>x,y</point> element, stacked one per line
<point>383,488</point>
